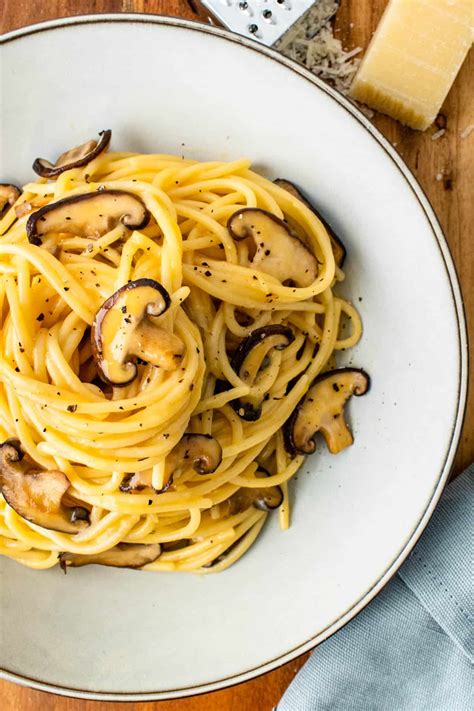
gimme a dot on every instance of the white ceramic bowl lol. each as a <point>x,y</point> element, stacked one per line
<point>166,85</point>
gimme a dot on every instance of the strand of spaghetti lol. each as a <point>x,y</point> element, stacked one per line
<point>38,560</point>
<point>183,502</point>
<point>171,258</point>
<point>356,323</point>
<point>70,290</point>
<point>214,549</point>
<point>191,552</point>
<point>167,535</point>
<point>276,413</point>
<point>19,322</point>
<point>261,293</point>
<point>24,428</point>
<point>210,527</point>
<point>47,539</point>
<point>211,225</point>
<point>240,549</point>
<point>12,544</point>
<point>145,525</point>
<point>236,328</point>
<point>215,402</point>
<point>98,487</point>
<point>274,480</point>
<point>225,185</point>
<point>135,164</point>
<point>284,510</point>
<point>282,464</point>
<point>47,394</point>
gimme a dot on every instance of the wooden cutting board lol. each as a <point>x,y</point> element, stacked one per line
<point>451,158</point>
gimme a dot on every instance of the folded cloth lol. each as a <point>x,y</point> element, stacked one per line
<point>412,648</point>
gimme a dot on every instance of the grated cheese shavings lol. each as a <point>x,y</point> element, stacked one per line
<point>311,42</point>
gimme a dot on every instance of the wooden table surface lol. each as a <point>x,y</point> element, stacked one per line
<point>452,198</point>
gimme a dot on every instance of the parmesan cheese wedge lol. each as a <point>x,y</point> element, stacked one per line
<point>413,58</point>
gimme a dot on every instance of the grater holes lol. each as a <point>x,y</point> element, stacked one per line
<point>244,7</point>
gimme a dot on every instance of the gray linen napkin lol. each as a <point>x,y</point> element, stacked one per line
<point>412,648</point>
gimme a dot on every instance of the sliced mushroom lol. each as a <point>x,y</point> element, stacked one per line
<point>9,194</point>
<point>337,245</point>
<point>277,252</point>
<point>322,410</point>
<point>88,215</point>
<point>123,555</point>
<point>272,336</point>
<point>263,498</point>
<point>135,481</point>
<point>138,481</point>
<point>73,158</point>
<point>126,328</point>
<point>37,494</point>
<point>171,546</point>
<point>200,451</point>
<point>248,360</point>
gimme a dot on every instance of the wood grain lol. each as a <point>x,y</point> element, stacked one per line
<point>450,158</point>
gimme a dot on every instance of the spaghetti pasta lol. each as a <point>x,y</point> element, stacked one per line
<point>114,441</point>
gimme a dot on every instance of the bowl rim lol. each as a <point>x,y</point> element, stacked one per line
<point>463,359</point>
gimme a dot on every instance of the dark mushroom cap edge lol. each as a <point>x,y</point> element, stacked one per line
<point>46,169</point>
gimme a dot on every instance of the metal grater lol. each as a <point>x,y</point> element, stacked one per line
<point>264,20</point>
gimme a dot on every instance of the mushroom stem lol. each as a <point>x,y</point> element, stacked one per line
<point>171,348</point>
<point>123,555</point>
<point>202,452</point>
<point>322,410</point>
<point>336,433</point>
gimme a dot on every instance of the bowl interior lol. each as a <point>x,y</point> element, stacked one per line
<point>168,86</point>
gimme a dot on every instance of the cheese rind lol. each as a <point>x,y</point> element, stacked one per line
<point>414,57</point>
